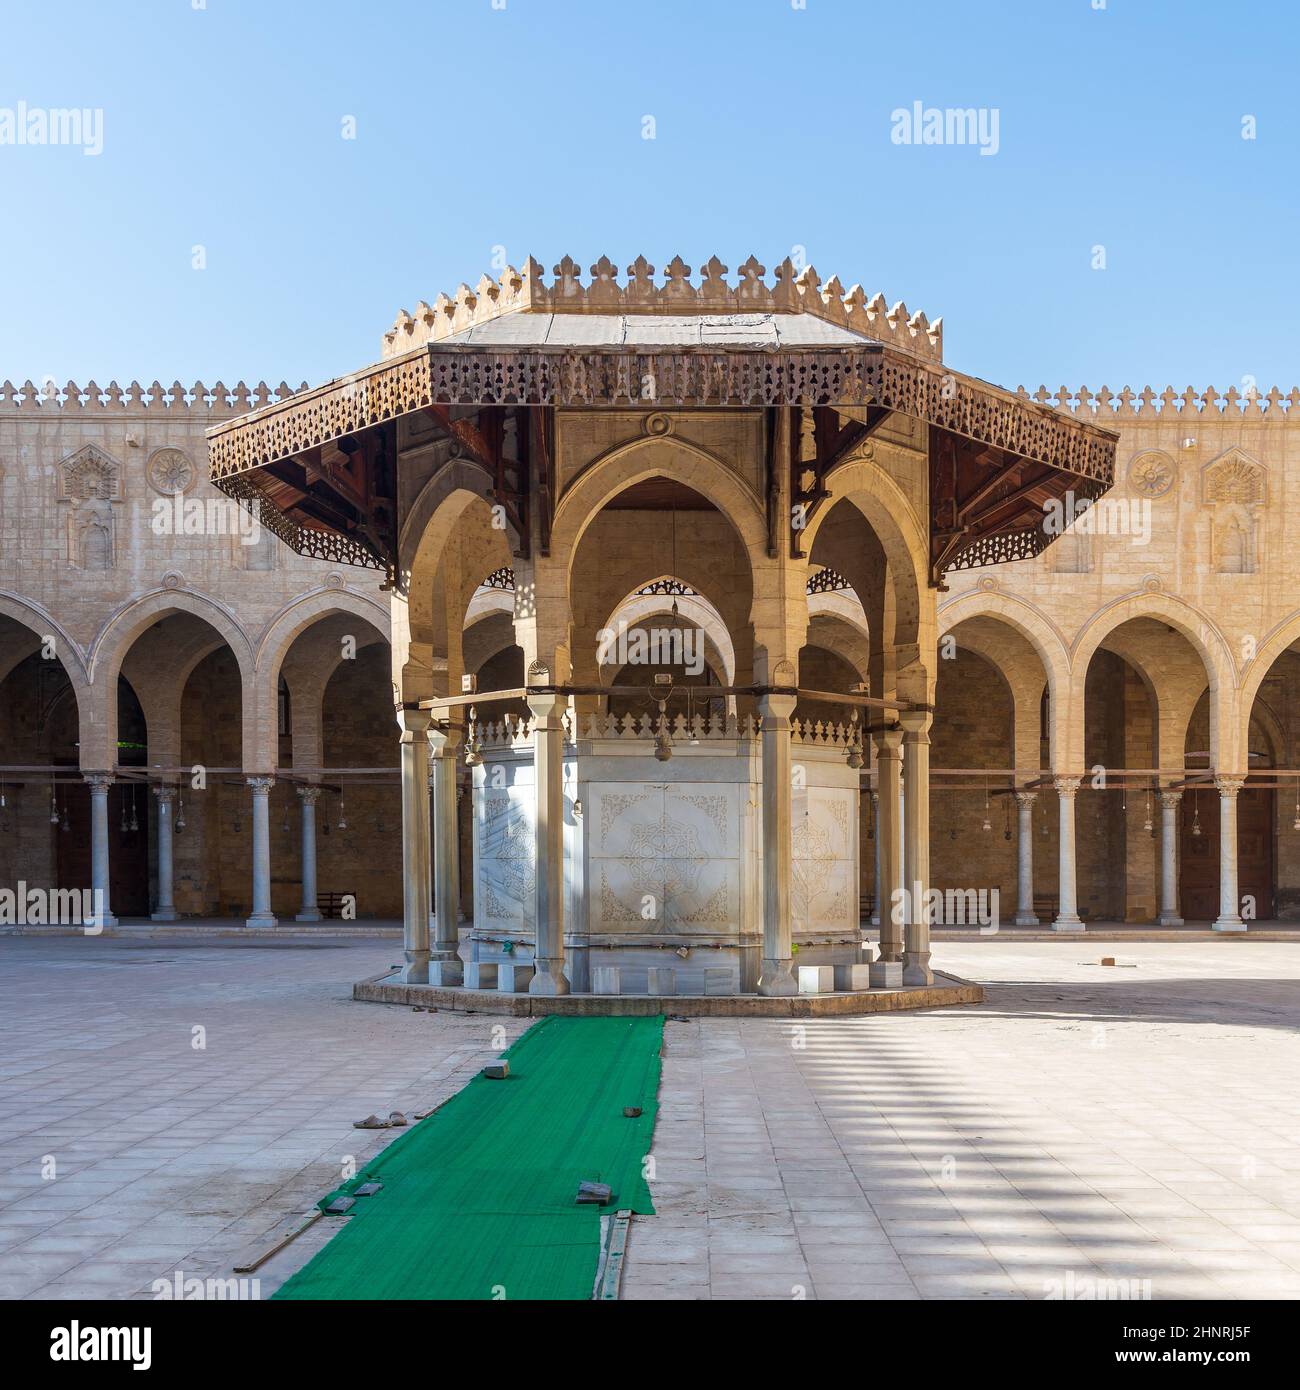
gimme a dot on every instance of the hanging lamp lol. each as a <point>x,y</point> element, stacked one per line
<point>472,758</point>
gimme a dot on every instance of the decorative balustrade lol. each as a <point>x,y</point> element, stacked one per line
<point>515,732</point>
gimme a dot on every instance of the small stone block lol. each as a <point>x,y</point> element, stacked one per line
<point>339,1205</point>
<point>631,1112</point>
<point>497,1071</point>
<point>719,981</point>
<point>886,974</point>
<point>596,1193</point>
<point>513,978</point>
<point>816,979</point>
<point>367,1189</point>
<point>661,979</point>
<point>446,973</point>
<point>852,977</point>
<point>480,974</point>
<point>605,979</point>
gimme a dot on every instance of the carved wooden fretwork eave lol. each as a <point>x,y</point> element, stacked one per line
<point>995,457</point>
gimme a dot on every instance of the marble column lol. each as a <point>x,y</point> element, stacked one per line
<point>443,744</point>
<point>548,890</point>
<point>777,974</point>
<point>1229,903</point>
<point>262,916</point>
<point>309,912</point>
<point>414,748</point>
<point>890,845</point>
<point>875,843</point>
<point>916,845</point>
<point>1025,915</point>
<point>99,783</point>
<point>1169,806</point>
<point>166,798</point>
<point>1067,915</point>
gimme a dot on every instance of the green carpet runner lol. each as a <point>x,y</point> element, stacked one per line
<point>478,1199</point>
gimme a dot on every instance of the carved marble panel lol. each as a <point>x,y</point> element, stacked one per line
<point>701,896</point>
<point>668,848</point>
<point>708,817</point>
<point>824,897</point>
<point>506,872</point>
<point>823,891</point>
<point>621,891</point>
<point>620,814</point>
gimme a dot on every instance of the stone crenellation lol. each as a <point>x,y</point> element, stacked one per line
<point>792,292</point>
<point>241,398</point>
<point>238,399</point>
<point>1149,403</point>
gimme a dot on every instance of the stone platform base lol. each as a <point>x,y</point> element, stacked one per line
<point>947,989</point>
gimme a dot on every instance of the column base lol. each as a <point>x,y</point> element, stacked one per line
<point>1169,919</point>
<point>446,971</point>
<point>1233,923</point>
<point>262,919</point>
<point>776,979</point>
<point>1027,919</point>
<point>550,979</point>
<point>916,968</point>
<point>416,970</point>
<point>101,921</point>
<point>165,915</point>
<point>1071,923</point>
<point>308,914</point>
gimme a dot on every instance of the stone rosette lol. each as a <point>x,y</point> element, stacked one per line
<point>170,471</point>
<point>1152,473</point>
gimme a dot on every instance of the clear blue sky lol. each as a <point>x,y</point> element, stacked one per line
<point>480,126</point>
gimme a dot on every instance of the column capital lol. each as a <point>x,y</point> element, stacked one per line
<point>888,742</point>
<point>1025,798</point>
<point>98,781</point>
<point>261,784</point>
<point>412,720</point>
<point>776,710</point>
<point>165,792</point>
<point>1170,800</point>
<point>445,739</point>
<point>547,706</point>
<point>309,792</point>
<point>1067,785</point>
<point>1229,785</point>
<point>916,724</point>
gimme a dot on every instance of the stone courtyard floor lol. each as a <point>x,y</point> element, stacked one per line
<point>1128,1123</point>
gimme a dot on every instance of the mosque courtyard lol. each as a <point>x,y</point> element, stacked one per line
<point>1089,1131</point>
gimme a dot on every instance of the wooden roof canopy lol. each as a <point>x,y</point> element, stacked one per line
<point>321,465</point>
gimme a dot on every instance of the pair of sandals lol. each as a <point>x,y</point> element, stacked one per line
<point>394,1120</point>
